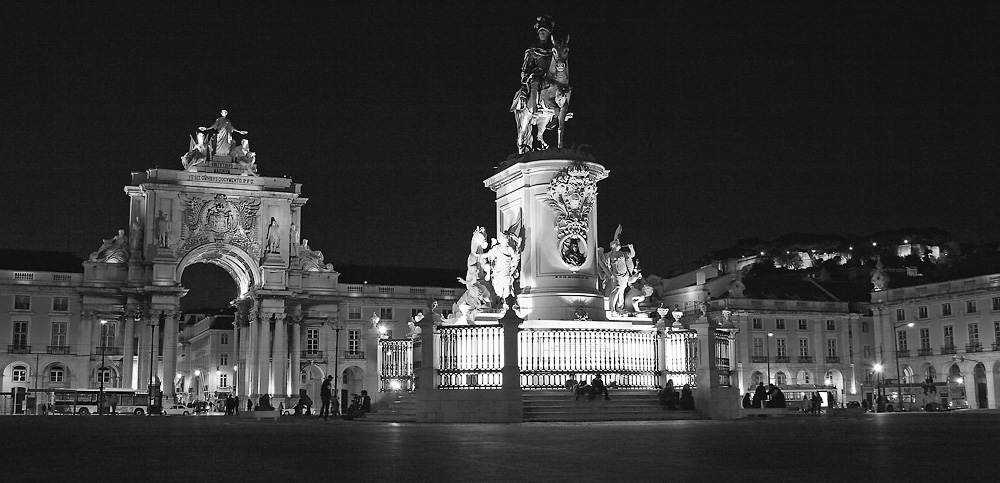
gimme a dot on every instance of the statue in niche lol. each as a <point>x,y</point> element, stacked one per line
<point>273,245</point>
<point>619,269</point>
<point>137,236</point>
<point>245,159</point>
<point>113,250</point>
<point>197,153</point>
<point>293,240</point>
<point>312,260</point>
<point>221,134</point>
<point>545,91</point>
<point>162,230</point>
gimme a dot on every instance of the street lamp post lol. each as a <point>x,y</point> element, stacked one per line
<point>769,335</point>
<point>336,365</point>
<point>879,389</point>
<point>100,372</point>
<point>899,380</point>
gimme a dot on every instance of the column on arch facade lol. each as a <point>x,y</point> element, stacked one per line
<point>128,349</point>
<point>296,353</point>
<point>279,364</point>
<point>169,354</point>
<point>263,356</point>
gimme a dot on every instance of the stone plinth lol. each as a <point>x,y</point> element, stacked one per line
<point>557,217</point>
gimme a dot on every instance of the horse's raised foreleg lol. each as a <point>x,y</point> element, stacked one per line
<point>540,126</point>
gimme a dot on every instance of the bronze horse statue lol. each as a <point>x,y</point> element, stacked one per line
<point>553,100</point>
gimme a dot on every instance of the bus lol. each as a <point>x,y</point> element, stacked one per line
<point>927,396</point>
<point>84,401</point>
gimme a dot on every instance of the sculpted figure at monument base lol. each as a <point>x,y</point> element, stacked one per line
<point>113,250</point>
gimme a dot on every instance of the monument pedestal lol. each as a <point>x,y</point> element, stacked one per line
<point>552,197</point>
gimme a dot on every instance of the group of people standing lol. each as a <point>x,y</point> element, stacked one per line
<point>769,397</point>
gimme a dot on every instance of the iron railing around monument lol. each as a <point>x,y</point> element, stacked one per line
<point>681,357</point>
<point>395,360</point>
<point>471,357</point>
<point>626,359</point>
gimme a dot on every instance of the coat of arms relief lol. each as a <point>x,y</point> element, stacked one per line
<point>219,220</point>
<point>571,194</point>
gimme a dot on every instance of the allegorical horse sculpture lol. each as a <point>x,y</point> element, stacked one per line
<point>553,102</point>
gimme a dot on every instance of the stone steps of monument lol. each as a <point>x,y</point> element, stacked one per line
<point>398,408</point>
<point>561,405</point>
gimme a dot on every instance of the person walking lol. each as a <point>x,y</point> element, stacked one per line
<point>326,394</point>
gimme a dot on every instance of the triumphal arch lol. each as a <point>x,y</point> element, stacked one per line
<point>215,208</point>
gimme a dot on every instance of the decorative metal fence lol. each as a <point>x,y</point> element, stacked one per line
<point>681,357</point>
<point>723,341</point>
<point>471,357</point>
<point>395,361</point>
<point>626,359</point>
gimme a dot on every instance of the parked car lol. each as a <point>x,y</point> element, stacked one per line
<point>176,409</point>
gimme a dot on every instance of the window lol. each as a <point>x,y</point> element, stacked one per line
<point>354,341</point>
<point>780,378</point>
<point>445,313</point>
<point>925,339</point>
<point>108,331</point>
<point>60,304</point>
<point>831,325</point>
<point>56,374</point>
<point>758,323</point>
<point>996,303</point>
<point>224,339</point>
<point>385,313</point>
<point>996,332</point>
<point>901,338</point>
<point>922,312</point>
<point>864,327</point>
<point>758,347</point>
<point>22,302</point>
<point>19,374</point>
<point>945,310</point>
<point>949,336</point>
<point>803,347</point>
<point>900,315</point>
<point>782,349</point>
<point>803,324</point>
<point>973,334</point>
<point>104,376</point>
<point>224,360</point>
<point>779,324</point>
<point>866,351</point>
<point>354,313</point>
<point>806,378</point>
<point>59,334</point>
<point>20,339</point>
<point>312,340</point>
<point>831,347</point>
<point>223,380</point>
<point>970,306</point>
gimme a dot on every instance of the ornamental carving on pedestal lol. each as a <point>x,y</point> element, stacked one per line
<point>571,195</point>
<point>219,220</point>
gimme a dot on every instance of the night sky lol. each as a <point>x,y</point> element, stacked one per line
<point>718,122</point>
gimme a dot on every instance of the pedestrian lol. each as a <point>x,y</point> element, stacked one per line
<point>817,402</point>
<point>599,387</point>
<point>759,395</point>
<point>687,398</point>
<point>747,403</point>
<point>249,404</point>
<point>325,394</point>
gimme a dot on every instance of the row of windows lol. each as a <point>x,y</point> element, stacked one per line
<point>59,304</point>
<point>948,335</point>
<point>946,310</point>
<point>384,313</point>
<point>781,346</point>
<point>56,374</point>
<point>779,324</point>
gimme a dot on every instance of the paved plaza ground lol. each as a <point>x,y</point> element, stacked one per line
<point>916,447</point>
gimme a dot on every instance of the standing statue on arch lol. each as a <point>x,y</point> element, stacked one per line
<point>545,90</point>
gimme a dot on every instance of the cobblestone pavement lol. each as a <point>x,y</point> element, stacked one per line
<point>916,447</point>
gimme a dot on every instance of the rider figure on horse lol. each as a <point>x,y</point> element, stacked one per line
<point>536,62</point>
